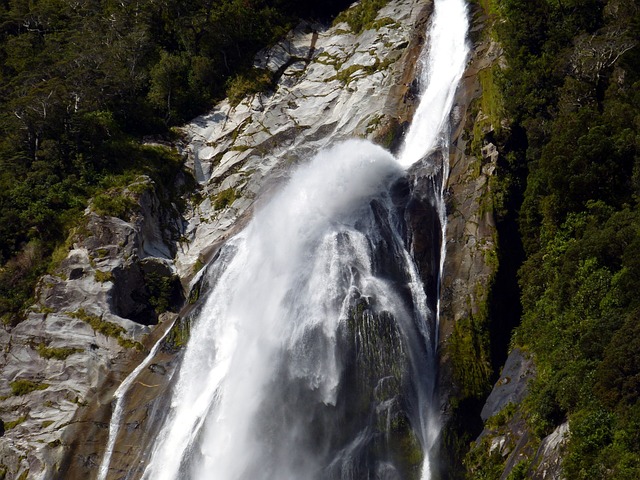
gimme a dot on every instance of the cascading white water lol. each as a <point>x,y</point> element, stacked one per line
<point>268,340</point>
<point>118,410</point>
<point>285,291</point>
<point>442,64</point>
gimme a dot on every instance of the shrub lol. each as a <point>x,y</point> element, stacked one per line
<point>61,353</point>
<point>102,276</point>
<point>224,198</point>
<point>113,204</point>
<point>23,386</point>
<point>362,16</point>
<point>247,83</point>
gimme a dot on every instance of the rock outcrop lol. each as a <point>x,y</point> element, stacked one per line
<point>507,444</point>
<point>491,419</point>
<point>332,85</point>
<point>90,315</point>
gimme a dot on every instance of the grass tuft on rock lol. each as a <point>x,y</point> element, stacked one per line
<point>61,353</point>
<point>23,386</point>
<point>108,329</point>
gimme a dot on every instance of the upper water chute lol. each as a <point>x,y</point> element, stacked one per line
<point>442,64</point>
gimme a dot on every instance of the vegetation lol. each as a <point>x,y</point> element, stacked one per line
<point>108,329</point>
<point>23,387</point>
<point>165,291</point>
<point>362,16</point>
<point>571,174</point>
<point>178,336</point>
<point>82,83</point>
<point>102,276</point>
<point>252,81</point>
<point>224,199</point>
<point>469,351</point>
<point>14,424</point>
<point>60,353</point>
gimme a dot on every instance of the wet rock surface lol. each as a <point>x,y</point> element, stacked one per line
<point>471,235</point>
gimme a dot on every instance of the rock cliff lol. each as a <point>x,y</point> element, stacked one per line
<point>93,311</point>
<point>96,319</point>
<point>480,409</point>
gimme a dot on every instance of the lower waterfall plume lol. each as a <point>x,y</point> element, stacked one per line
<point>312,356</point>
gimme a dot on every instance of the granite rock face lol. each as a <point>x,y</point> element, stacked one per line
<point>332,85</point>
<point>507,438</point>
<point>93,311</point>
<point>471,236</point>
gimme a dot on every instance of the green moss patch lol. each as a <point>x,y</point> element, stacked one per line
<point>108,329</point>
<point>61,353</point>
<point>224,199</point>
<point>23,387</point>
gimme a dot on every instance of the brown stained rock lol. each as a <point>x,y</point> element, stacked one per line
<point>85,439</point>
<point>471,238</point>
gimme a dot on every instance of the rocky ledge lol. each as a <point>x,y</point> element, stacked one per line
<point>91,314</point>
<point>331,84</point>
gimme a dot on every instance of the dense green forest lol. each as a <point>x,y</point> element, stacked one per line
<point>571,171</point>
<point>82,82</point>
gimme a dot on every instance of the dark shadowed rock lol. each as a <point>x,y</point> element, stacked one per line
<point>512,385</point>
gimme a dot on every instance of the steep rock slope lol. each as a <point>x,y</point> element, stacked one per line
<point>95,309</point>
<point>471,262</point>
<point>331,84</point>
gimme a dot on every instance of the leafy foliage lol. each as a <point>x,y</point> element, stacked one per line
<point>82,82</point>
<point>572,89</point>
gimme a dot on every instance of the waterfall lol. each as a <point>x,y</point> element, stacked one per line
<point>266,349</point>
<point>312,356</point>
<point>118,410</point>
<point>442,64</point>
